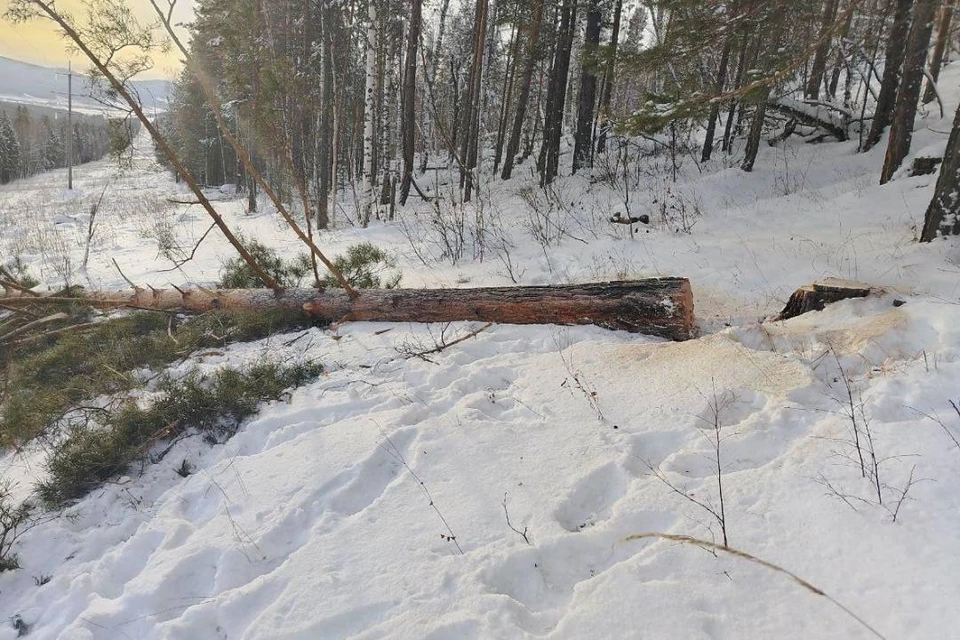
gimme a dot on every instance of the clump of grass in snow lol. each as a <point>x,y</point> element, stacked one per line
<point>45,379</point>
<point>213,405</point>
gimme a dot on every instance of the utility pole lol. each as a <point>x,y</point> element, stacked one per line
<point>70,125</point>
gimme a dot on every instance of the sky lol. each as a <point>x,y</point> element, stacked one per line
<point>38,41</point>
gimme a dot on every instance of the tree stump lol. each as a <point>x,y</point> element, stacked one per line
<point>816,296</point>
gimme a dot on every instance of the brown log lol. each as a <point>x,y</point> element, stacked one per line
<point>659,306</point>
<point>816,296</point>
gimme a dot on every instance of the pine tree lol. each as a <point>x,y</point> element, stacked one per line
<point>9,150</point>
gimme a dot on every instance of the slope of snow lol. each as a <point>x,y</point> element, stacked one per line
<point>26,83</point>
<point>343,512</point>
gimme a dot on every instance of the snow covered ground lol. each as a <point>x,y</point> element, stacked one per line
<point>375,502</point>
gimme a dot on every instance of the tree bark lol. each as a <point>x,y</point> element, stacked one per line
<point>901,130</point>
<point>659,306</point>
<point>943,214</point>
<point>943,39</point>
<point>895,51</point>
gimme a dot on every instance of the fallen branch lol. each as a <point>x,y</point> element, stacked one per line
<point>32,325</point>
<point>743,555</point>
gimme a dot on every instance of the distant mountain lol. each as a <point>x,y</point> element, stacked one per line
<point>25,83</point>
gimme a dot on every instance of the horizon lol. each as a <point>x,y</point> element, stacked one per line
<point>38,42</point>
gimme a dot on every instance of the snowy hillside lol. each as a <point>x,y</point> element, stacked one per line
<point>489,490</point>
<point>31,84</point>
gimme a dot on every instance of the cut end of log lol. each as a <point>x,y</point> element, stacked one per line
<point>816,296</point>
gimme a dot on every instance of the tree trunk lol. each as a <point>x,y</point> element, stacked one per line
<point>895,51</point>
<point>583,141</point>
<point>943,214</point>
<point>659,306</point>
<point>901,131</point>
<point>756,130</point>
<point>841,58</point>
<point>823,48</point>
<point>608,76</point>
<point>530,64</point>
<point>718,89</point>
<point>738,83</point>
<point>943,39</point>
<point>549,161</point>
<point>409,99</point>
<point>471,103</point>
<point>509,81</point>
<point>325,144</point>
<point>369,117</point>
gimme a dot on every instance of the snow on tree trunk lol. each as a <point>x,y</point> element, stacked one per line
<point>943,214</point>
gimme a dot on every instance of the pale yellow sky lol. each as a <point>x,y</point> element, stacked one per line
<point>37,41</point>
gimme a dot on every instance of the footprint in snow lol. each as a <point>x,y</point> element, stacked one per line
<point>591,498</point>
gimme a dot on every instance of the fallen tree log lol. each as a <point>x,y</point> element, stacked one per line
<point>658,306</point>
<point>816,296</point>
<point>816,115</point>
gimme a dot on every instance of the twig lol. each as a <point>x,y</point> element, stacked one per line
<point>513,528</point>
<point>903,494</point>
<point>31,325</point>
<point>53,332</point>
<point>179,263</point>
<point>90,226</point>
<point>442,344</point>
<point>743,555</point>
<point>394,452</point>
<point>23,311</point>
<point>122,275</point>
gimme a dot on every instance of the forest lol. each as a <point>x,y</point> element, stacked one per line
<point>367,97</point>
<point>31,143</point>
<point>487,319</point>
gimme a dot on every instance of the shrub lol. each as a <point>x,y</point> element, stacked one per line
<point>14,520</point>
<point>47,378</point>
<point>237,274</point>
<point>362,265</point>
<point>213,405</point>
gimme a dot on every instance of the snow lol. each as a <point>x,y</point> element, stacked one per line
<point>31,84</point>
<point>330,515</point>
